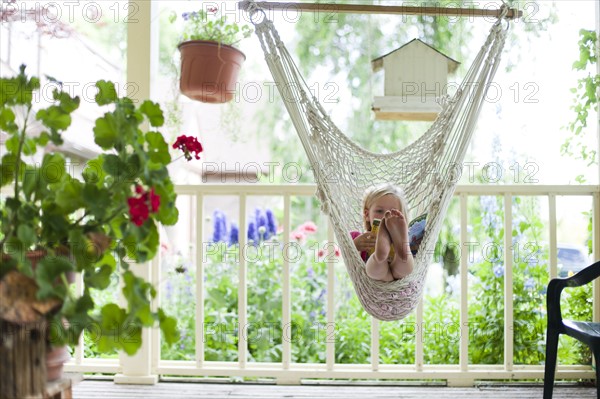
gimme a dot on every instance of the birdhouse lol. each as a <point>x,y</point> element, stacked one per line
<point>415,76</point>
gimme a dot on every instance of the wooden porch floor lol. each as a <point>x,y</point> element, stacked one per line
<point>89,389</point>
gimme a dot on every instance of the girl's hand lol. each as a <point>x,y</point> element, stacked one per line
<point>365,241</point>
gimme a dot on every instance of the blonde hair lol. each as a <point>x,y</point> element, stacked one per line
<point>372,194</point>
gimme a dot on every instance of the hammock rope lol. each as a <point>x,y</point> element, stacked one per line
<point>343,170</point>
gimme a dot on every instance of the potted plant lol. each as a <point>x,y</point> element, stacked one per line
<point>209,61</point>
<point>55,222</point>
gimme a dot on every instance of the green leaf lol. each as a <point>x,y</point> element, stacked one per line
<point>93,173</point>
<point>158,150</point>
<point>106,131</point>
<point>95,200</point>
<point>26,234</point>
<point>7,168</point>
<point>145,315</point>
<point>12,144</point>
<point>168,326</point>
<point>53,168</point>
<point>47,273</point>
<point>131,338</point>
<point>99,278</point>
<point>30,179</point>
<point>29,146</point>
<point>168,214</point>
<point>106,93</point>
<point>7,119</point>
<point>111,320</point>
<point>68,196</point>
<point>18,90</point>
<point>67,103</point>
<point>153,112</point>
<point>54,117</point>
<point>113,165</point>
<point>43,139</point>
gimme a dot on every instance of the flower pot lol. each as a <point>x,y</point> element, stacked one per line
<point>209,70</point>
<point>56,357</point>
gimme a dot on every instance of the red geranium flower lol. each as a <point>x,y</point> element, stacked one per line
<point>154,200</point>
<point>188,145</point>
<point>140,207</point>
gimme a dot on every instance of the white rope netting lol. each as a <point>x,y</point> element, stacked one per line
<point>427,169</point>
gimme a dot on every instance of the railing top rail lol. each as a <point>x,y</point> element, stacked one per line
<point>309,189</point>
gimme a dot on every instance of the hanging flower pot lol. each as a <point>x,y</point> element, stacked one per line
<point>209,70</point>
<point>209,62</point>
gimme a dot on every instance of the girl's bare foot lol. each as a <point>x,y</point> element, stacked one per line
<point>383,242</point>
<point>397,228</point>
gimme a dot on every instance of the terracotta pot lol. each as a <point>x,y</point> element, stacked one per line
<point>55,360</point>
<point>209,70</point>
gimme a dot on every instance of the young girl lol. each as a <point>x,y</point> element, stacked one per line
<point>387,203</point>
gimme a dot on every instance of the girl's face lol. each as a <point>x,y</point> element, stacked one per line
<point>381,206</point>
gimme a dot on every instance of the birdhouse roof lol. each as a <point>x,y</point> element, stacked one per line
<point>18,300</point>
<point>377,63</point>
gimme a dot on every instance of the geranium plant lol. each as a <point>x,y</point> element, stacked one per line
<point>95,222</point>
<point>211,25</point>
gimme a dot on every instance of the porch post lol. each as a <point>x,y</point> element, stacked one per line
<point>596,197</point>
<point>141,49</point>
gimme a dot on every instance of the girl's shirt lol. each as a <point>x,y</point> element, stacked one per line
<point>363,254</point>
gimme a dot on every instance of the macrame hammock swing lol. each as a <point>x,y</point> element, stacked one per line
<point>343,170</point>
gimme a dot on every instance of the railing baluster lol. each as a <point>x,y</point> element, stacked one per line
<point>330,329</point>
<point>155,338</point>
<point>286,316</point>
<point>81,342</point>
<point>508,284</point>
<point>242,287</point>
<point>553,255</point>
<point>374,344</point>
<point>596,247</point>
<point>419,337</point>
<point>464,286</point>
<point>199,322</point>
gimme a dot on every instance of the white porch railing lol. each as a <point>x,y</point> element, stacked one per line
<point>463,373</point>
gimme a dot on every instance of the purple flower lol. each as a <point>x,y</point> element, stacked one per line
<point>322,294</point>
<point>529,284</point>
<point>169,289</point>
<point>186,16</point>
<point>233,234</point>
<point>489,208</point>
<point>262,220</point>
<point>498,270</point>
<point>271,223</point>
<point>219,226</point>
<point>252,232</point>
<point>310,272</point>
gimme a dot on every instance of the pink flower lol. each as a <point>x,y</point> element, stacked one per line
<point>321,253</point>
<point>338,253</point>
<point>308,227</point>
<point>298,235</point>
